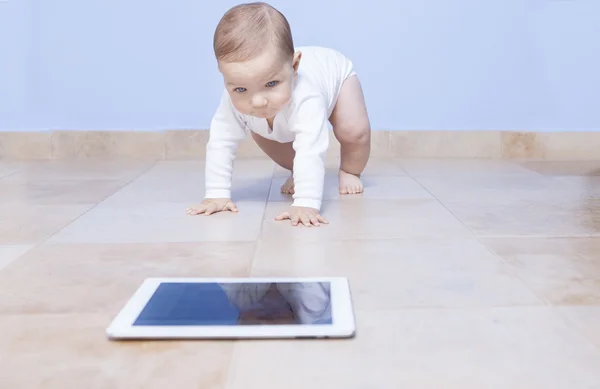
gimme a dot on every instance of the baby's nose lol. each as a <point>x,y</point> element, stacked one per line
<point>259,101</point>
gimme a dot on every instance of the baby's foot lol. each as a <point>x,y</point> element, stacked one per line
<point>349,183</point>
<point>288,186</point>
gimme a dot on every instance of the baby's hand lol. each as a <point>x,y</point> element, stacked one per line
<point>210,206</point>
<point>301,215</point>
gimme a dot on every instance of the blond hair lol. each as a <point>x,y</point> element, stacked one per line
<point>247,29</point>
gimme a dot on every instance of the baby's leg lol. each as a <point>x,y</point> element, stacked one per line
<point>282,154</point>
<point>352,129</point>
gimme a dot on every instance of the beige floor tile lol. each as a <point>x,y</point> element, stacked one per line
<point>586,187</point>
<point>149,191</point>
<point>8,254</point>
<point>154,222</point>
<point>587,319</point>
<point>7,168</point>
<point>376,166</point>
<point>564,168</point>
<point>529,218</point>
<point>520,348</point>
<point>376,188</point>
<point>561,271</point>
<point>88,278</point>
<point>85,170</point>
<point>368,219</point>
<point>427,291</point>
<point>495,189</point>
<point>402,273</point>
<point>517,205</point>
<point>183,181</point>
<point>71,351</point>
<point>17,189</point>
<point>33,223</point>
<point>419,167</point>
<point>243,168</point>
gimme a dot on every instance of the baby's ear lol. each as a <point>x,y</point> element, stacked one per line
<point>296,62</point>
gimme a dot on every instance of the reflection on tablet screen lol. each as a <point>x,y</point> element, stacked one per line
<point>212,304</point>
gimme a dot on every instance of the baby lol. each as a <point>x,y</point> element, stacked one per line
<point>285,97</point>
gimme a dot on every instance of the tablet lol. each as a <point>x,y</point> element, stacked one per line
<point>213,308</point>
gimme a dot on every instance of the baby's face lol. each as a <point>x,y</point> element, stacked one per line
<point>261,87</point>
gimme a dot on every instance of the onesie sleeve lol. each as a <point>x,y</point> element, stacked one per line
<point>226,132</point>
<point>309,122</point>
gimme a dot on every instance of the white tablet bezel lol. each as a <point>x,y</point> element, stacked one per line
<point>341,302</point>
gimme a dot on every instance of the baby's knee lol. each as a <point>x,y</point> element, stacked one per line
<point>354,133</point>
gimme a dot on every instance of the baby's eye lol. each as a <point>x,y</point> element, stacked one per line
<point>271,84</point>
<point>240,90</point>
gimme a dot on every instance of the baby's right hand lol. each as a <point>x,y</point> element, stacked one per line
<point>210,206</point>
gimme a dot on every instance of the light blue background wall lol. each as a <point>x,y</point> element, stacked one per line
<point>425,64</point>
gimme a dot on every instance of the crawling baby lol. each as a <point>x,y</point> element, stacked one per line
<point>285,97</point>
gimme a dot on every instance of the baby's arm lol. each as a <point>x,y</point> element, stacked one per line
<point>309,123</point>
<point>227,130</point>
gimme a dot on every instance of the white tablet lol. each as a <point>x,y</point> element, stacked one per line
<point>213,308</point>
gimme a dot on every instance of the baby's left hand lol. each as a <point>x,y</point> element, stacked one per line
<point>301,215</point>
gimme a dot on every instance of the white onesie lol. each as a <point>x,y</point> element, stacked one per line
<point>304,121</point>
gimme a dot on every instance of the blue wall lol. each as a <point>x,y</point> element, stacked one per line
<point>425,64</point>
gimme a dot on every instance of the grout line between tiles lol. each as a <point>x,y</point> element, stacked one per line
<point>441,203</point>
<point>232,365</point>
<point>6,265</point>
<point>263,219</point>
<point>540,297</point>
<point>10,174</point>
<point>572,324</point>
<point>144,171</point>
<point>478,238</point>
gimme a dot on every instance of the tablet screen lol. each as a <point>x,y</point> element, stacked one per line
<point>214,304</point>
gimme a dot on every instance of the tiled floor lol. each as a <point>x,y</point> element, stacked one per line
<point>465,274</point>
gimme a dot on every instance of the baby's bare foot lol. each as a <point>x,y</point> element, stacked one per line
<point>288,186</point>
<point>349,183</point>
